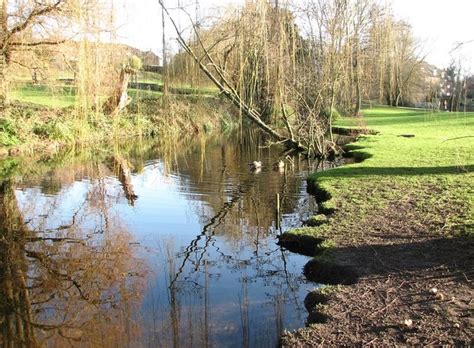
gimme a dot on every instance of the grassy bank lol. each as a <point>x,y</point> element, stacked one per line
<point>45,118</point>
<point>62,93</point>
<point>439,158</point>
<point>402,218</point>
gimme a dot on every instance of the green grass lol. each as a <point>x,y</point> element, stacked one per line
<point>61,96</point>
<point>57,97</point>
<point>428,179</point>
<point>149,77</point>
<point>433,150</point>
<point>139,93</point>
<point>188,89</point>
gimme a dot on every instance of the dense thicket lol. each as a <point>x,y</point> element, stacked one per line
<point>299,66</point>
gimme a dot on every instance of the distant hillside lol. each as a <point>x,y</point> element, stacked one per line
<point>62,61</point>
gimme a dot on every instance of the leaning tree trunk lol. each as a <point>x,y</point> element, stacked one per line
<point>120,99</point>
<point>228,91</point>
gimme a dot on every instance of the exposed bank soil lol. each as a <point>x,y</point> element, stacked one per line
<point>400,256</point>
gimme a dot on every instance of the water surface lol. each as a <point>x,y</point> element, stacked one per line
<point>181,253</point>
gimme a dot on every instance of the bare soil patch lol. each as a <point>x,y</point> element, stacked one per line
<point>414,283</point>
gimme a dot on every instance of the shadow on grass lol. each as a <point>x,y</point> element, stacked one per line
<point>400,171</point>
<point>402,119</point>
<point>419,263</point>
<point>433,258</point>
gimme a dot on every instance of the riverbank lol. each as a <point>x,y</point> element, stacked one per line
<point>396,230</point>
<point>28,129</point>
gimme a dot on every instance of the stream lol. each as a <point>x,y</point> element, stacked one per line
<point>189,258</point>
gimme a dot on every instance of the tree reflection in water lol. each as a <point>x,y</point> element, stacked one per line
<point>203,262</point>
<point>73,274</point>
<point>69,284</point>
<point>230,284</point>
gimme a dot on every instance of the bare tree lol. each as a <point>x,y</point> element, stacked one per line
<point>164,72</point>
<point>217,75</point>
<point>24,25</point>
<point>292,84</point>
<point>396,59</point>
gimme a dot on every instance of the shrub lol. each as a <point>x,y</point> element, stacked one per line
<point>54,130</point>
<point>8,135</point>
<point>326,113</point>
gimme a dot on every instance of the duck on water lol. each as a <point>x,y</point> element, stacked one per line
<point>255,165</point>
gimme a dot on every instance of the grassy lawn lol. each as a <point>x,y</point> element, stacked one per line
<point>149,77</point>
<point>433,169</point>
<point>63,95</point>
<point>402,221</point>
<point>57,97</point>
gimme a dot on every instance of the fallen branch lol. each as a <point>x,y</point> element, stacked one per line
<point>228,91</point>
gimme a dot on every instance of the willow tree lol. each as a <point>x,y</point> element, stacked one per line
<point>249,55</point>
<point>359,26</point>
<point>254,48</point>
<point>287,81</point>
<point>394,59</point>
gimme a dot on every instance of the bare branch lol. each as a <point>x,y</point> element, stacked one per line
<point>37,43</point>
<point>287,122</point>
<point>460,44</point>
<point>227,89</point>
<point>38,12</point>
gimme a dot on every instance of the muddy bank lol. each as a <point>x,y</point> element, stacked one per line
<point>393,301</point>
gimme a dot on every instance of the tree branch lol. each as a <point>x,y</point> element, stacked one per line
<point>230,92</point>
<point>38,12</point>
<point>37,43</point>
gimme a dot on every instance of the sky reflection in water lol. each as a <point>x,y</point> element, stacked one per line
<point>204,228</point>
